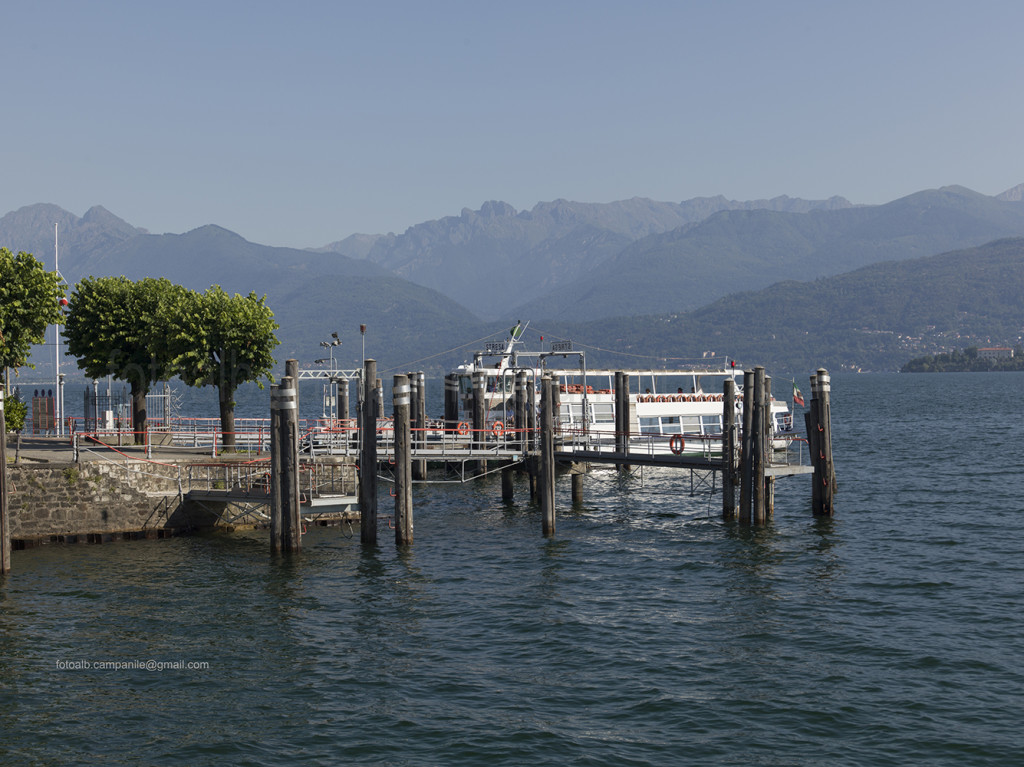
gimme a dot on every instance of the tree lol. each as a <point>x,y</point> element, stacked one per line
<point>29,302</point>
<point>121,328</point>
<point>224,341</point>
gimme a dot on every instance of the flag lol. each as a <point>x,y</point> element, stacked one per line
<point>798,398</point>
<point>516,331</point>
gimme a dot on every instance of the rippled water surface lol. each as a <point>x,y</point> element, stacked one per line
<point>647,631</point>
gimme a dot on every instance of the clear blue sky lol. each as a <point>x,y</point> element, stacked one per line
<point>299,123</point>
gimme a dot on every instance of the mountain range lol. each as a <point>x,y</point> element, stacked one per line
<point>673,279</point>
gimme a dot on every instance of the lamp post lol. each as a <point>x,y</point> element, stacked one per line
<point>329,345</point>
<point>331,387</point>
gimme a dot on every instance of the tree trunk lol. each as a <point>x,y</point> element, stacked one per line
<point>139,412</point>
<point>227,419</point>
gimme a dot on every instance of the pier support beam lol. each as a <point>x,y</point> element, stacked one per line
<point>276,403</point>
<point>5,522</point>
<point>418,420</point>
<point>507,487</point>
<point>478,439</point>
<point>451,403</point>
<point>368,455</point>
<point>757,438</point>
<point>343,405</point>
<point>769,435</point>
<point>819,442</point>
<point>729,468</point>
<point>622,415</point>
<point>285,520</point>
<point>403,460</point>
<point>546,485</point>
<point>577,487</point>
<point>522,405</point>
<point>747,450</point>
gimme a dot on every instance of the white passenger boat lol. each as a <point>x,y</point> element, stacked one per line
<point>678,411</point>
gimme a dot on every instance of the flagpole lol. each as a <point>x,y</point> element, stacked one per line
<point>58,402</point>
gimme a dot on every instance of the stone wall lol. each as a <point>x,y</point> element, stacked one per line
<point>92,498</point>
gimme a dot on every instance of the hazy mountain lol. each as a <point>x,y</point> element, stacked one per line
<point>311,294</point>
<point>1016,194</point>
<point>747,249</point>
<point>355,245</point>
<point>31,229</point>
<point>586,255</point>
<point>873,318</point>
<point>495,258</point>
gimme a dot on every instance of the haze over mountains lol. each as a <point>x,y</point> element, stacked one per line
<point>563,264</point>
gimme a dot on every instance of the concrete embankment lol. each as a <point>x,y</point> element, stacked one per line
<point>53,498</point>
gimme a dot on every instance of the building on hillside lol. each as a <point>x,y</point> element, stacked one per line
<point>995,352</point>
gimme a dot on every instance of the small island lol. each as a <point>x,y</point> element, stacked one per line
<point>970,360</point>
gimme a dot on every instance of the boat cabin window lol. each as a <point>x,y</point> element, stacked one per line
<point>604,412</point>
<point>650,426</point>
<point>690,423</point>
<point>499,383</point>
<point>573,411</point>
<point>712,424</point>
<point>670,425</point>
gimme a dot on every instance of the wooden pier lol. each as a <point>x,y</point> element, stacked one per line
<point>334,472</point>
<point>752,463</point>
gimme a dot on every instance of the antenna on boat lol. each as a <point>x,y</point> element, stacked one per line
<point>514,336</point>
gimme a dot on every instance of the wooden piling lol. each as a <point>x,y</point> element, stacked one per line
<point>769,435</point>
<point>622,415</point>
<point>819,442</point>
<point>420,468</point>
<point>507,487</point>
<point>401,394</point>
<point>757,433</point>
<point>277,403</point>
<point>5,521</point>
<point>747,454</point>
<point>522,422</point>
<point>417,420</point>
<point>546,488</point>
<point>729,478</point>
<point>291,512</point>
<point>285,519</point>
<point>343,403</point>
<point>368,456</point>
<point>533,464</point>
<point>451,403</point>
<point>479,436</point>
<point>577,487</point>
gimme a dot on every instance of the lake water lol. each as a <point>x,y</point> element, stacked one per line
<point>647,631</point>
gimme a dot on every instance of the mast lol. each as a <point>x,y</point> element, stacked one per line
<point>59,402</point>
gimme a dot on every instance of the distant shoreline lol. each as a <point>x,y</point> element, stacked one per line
<point>970,360</point>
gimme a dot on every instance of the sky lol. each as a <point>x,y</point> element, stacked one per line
<point>300,123</point>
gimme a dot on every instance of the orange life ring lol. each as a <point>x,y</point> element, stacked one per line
<point>463,428</point>
<point>676,444</point>
<point>498,428</point>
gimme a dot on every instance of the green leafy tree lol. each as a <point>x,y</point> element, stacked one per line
<point>224,341</point>
<point>29,302</point>
<point>121,328</point>
<point>15,413</point>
